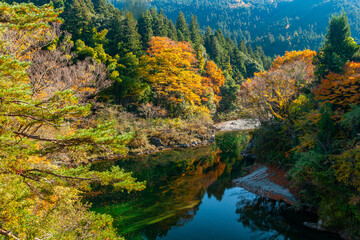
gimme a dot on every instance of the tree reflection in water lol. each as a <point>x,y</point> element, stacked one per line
<point>177,181</point>
<point>260,214</point>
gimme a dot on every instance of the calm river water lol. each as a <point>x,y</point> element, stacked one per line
<point>190,195</point>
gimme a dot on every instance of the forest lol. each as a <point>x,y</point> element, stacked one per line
<point>276,26</point>
<point>83,82</point>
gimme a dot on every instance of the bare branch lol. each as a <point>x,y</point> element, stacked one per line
<point>9,234</point>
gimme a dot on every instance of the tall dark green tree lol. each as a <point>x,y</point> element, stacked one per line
<point>182,28</point>
<point>242,47</point>
<point>78,18</point>
<point>195,32</point>
<point>145,28</point>
<point>159,24</point>
<point>172,34</point>
<point>130,41</point>
<point>338,48</point>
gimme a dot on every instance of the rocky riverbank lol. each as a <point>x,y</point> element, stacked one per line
<point>269,182</point>
<point>186,138</point>
<point>237,125</point>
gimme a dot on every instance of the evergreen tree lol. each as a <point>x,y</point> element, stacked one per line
<point>250,50</point>
<point>207,37</point>
<point>159,25</point>
<point>214,49</point>
<point>220,37</point>
<point>242,47</point>
<point>78,18</point>
<point>182,28</point>
<point>145,28</point>
<point>130,37</point>
<point>339,47</point>
<point>195,32</point>
<point>237,61</point>
<point>101,6</point>
<point>172,34</point>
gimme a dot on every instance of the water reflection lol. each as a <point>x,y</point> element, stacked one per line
<point>184,184</point>
<point>176,183</point>
<point>263,215</point>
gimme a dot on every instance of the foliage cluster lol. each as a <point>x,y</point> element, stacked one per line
<point>118,41</point>
<point>312,128</point>
<point>43,122</point>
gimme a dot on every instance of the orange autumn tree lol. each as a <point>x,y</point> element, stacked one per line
<point>272,93</point>
<point>171,68</point>
<point>341,90</point>
<point>213,79</point>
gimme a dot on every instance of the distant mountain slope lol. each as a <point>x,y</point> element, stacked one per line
<point>277,25</point>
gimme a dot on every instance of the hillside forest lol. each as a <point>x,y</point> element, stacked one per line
<point>83,82</point>
<point>277,25</point>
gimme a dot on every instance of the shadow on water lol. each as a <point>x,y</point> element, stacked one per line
<point>275,217</point>
<point>180,184</point>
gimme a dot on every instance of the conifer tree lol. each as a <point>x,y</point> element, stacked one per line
<point>131,36</point>
<point>159,25</point>
<point>339,47</point>
<point>101,7</point>
<point>242,47</point>
<point>172,34</point>
<point>145,28</point>
<point>78,18</point>
<point>182,28</point>
<point>195,32</point>
<point>40,198</point>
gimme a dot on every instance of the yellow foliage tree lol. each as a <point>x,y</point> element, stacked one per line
<point>271,93</point>
<point>213,79</point>
<point>171,69</point>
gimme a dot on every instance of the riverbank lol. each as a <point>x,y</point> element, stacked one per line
<point>269,182</point>
<point>237,125</point>
<point>165,135</point>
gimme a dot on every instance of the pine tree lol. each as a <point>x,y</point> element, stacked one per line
<point>131,37</point>
<point>339,47</point>
<point>145,28</point>
<point>242,47</point>
<point>207,36</point>
<point>78,19</point>
<point>159,25</point>
<point>182,28</point>
<point>238,63</point>
<point>195,32</point>
<point>172,33</point>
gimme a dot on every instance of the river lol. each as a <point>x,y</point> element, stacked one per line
<point>190,195</point>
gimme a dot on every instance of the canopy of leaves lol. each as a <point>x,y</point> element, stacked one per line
<point>171,68</point>
<point>341,90</point>
<point>271,93</point>
<point>40,197</point>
